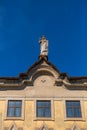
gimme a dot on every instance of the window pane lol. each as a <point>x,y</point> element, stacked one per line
<point>18,112</point>
<point>39,104</point>
<point>47,104</point>
<point>47,112</point>
<point>76,103</point>
<point>18,103</point>
<point>11,112</point>
<point>69,112</point>
<point>40,112</point>
<point>68,103</point>
<point>77,112</point>
<point>11,104</point>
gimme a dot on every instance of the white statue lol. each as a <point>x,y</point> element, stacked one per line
<point>43,46</point>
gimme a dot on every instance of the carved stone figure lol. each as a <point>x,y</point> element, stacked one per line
<point>43,46</point>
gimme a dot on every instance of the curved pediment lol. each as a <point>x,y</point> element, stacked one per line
<point>44,76</point>
<point>45,73</point>
<point>42,72</point>
<point>43,67</point>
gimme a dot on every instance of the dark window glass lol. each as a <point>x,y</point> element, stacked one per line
<point>14,108</point>
<point>73,109</point>
<point>43,109</point>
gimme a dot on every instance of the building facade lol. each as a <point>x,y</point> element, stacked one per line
<point>43,98</point>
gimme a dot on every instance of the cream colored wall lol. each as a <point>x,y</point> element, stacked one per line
<point>44,86</point>
<point>2,107</point>
<point>30,124</point>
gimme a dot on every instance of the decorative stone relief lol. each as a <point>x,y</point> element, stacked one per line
<point>13,127</point>
<point>44,127</point>
<point>75,127</point>
<point>44,81</point>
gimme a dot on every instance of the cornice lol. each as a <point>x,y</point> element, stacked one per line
<point>58,82</point>
<point>74,85</point>
<point>20,84</point>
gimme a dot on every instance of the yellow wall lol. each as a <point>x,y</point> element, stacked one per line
<point>30,124</point>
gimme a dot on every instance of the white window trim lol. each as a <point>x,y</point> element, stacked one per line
<point>82,109</point>
<point>22,109</point>
<point>52,109</point>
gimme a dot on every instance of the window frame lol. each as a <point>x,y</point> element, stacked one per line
<point>14,107</point>
<point>73,107</point>
<point>43,108</point>
<point>51,109</point>
<point>22,109</point>
<point>81,109</point>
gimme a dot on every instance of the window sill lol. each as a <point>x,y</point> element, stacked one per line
<point>74,119</point>
<point>43,118</point>
<point>14,118</point>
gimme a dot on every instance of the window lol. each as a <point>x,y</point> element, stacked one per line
<point>73,109</point>
<point>14,108</point>
<point>43,108</point>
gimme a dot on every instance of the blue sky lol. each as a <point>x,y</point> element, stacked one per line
<point>23,22</point>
